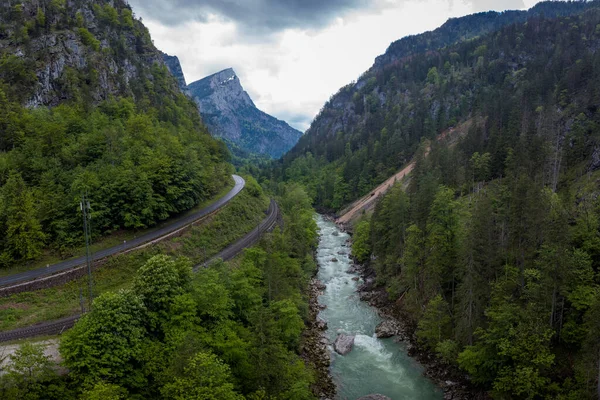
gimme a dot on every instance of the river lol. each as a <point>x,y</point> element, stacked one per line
<point>374,365</point>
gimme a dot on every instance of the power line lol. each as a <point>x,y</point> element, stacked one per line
<point>87,229</point>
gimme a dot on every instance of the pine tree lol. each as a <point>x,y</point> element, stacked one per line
<point>24,236</point>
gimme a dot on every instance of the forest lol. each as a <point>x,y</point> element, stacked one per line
<point>538,75</point>
<point>492,248</point>
<point>113,125</point>
<point>230,331</point>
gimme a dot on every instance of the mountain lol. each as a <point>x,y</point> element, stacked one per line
<point>174,67</point>
<point>488,248</point>
<point>409,94</point>
<point>87,105</point>
<point>230,114</point>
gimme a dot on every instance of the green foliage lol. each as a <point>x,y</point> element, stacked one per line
<point>127,18</point>
<point>24,236</point>
<point>447,81</point>
<point>361,242</point>
<point>435,323</point>
<point>108,343</point>
<point>27,374</point>
<point>433,77</point>
<point>137,170</point>
<point>232,330</point>
<point>142,160</point>
<point>89,39</point>
<point>205,377</point>
<point>492,247</point>
<point>158,283</point>
<point>104,391</point>
<point>448,350</point>
<point>481,166</point>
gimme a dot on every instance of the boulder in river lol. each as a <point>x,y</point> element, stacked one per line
<point>334,260</point>
<point>343,344</point>
<point>374,397</point>
<point>335,233</point>
<point>387,329</point>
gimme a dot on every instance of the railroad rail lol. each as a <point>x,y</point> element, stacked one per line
<point>67,270</point>
<point>59,326</point>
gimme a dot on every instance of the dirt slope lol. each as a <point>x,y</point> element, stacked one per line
<point>351,213</point>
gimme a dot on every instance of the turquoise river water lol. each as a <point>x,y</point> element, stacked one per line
<point>374,365</point>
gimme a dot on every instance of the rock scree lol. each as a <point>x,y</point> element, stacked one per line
<point>387,329</point>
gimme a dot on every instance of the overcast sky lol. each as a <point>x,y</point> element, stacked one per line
<point>292,55</point>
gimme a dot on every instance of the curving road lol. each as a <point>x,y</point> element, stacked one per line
<point>58,326</point>
<point>266,225</point>
<point>132,244</point>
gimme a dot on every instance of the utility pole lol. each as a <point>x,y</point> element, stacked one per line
<point>87,230</point>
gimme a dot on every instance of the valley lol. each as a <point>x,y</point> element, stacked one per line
<point>433,234</point>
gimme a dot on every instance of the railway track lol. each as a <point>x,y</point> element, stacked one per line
<point>266,225</point>
<point>67,270</point>
<point>59,326</point>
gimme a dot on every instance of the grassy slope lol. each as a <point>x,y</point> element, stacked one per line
<point>205,240</point>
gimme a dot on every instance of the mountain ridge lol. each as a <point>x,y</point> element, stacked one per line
<point>231,114</point>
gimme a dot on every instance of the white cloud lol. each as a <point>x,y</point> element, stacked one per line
<point>291,73</point>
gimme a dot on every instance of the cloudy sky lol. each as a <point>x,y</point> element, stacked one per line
<point>292,55</point>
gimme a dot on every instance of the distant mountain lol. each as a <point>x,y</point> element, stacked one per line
<point>230,113</point>
<point>371,128</point>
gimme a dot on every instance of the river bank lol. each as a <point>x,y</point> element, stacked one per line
<point>450,379</point>
<point>361,363</point>
<point>314,349</point>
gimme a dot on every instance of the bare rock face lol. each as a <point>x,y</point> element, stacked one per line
<point>62,57</point>
<point>230,113</point>
<point>387,329</point>
<point>343,344</point>
<point>374,397</point>
<point>174,67</point>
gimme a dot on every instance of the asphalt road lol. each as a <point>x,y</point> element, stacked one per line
<point>58,326</point>
<point>148,237</point>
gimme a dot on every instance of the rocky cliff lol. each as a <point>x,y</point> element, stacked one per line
<point>230,114</point>
<point>87,105</point>
<point>174,66</point>
<point>77,50</point>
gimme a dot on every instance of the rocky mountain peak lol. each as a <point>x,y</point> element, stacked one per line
<point>224,88</point>
<point>230,113</point>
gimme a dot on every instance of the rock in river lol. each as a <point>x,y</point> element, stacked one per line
<point>374,397</point>
<point>343,343</point>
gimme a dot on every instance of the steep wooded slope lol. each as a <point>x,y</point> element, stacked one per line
<point>428,83</point>
<point>493,250</point>
<point>88,105</point>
